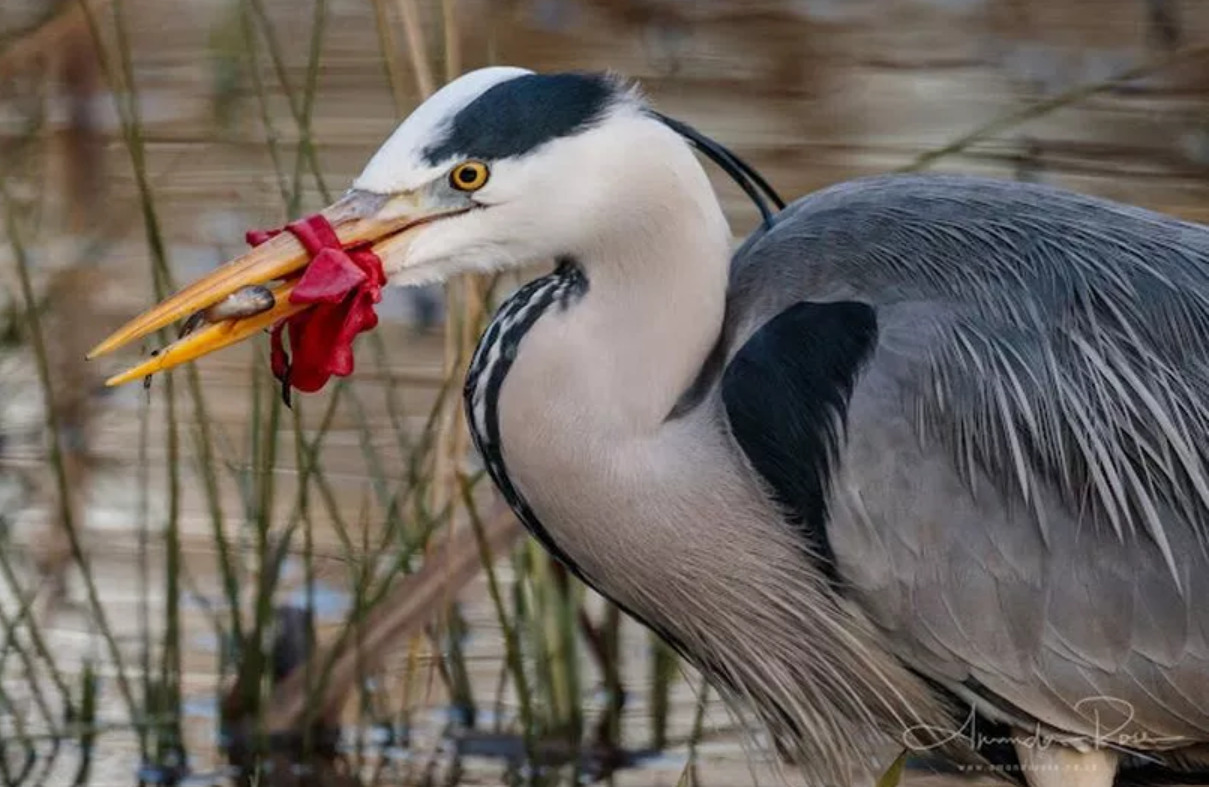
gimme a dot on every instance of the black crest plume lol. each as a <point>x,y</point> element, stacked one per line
<point>752,183</point>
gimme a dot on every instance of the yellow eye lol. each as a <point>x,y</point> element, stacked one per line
<point>469,176</point>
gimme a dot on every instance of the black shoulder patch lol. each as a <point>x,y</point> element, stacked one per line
<point>786,394</point>
<point>514,117</point>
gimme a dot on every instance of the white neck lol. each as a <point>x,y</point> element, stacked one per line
<point>663,516</point>
<point>656,262</point>
<point>637,339</point>
<point>583,410</point>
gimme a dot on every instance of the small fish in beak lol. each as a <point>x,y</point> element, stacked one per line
<point>246,302</point>
<point>302,277</point>
<point>324,274</point>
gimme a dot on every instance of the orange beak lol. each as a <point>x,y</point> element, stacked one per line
<point>358,219</point>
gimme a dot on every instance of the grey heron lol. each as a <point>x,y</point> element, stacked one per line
<point>925,455</point>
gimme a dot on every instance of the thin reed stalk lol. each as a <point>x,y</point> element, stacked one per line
<point>663,673</point>
<point>12,626</point>
<point>58,466</point>
<point>512,650</point>
<point>421,68</point>
<point>264,434</point>
<point>388,47</point>
<point>143,517</point>
<point>1047,106</point>
<point>85,719</point>
<point>308,553</point>
<point>306,148</point>
<point>132,134</point>
<point>441,494</point>
<point>394,614</point>
<point>271,135</point>
<point>688,777</point>
<point>11,643</point>
<point>306,144</point>
<point>170,740</point>
<point>453,39</point>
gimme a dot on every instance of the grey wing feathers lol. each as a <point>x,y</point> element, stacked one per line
<point>1025,496</point>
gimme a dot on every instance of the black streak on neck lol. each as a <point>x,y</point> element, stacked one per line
<point>489,368</point>
<point>492,361</point>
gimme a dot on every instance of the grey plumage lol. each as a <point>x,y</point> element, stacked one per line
<point>1018,499</point>
<point>1022,500</point>
<point>998,507</point>
<point>1071,340</point>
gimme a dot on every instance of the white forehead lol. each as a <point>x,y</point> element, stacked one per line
<point>399,163</point>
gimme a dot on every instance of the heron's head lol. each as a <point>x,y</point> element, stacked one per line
<point>499,169</point>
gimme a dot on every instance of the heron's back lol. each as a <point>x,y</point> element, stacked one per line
<point>1022,500</point>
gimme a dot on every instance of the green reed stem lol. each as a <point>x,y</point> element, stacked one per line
<point>308,558</point>
<point>698,720</point>
<point>58,465</point>
<point>228,565</point>
<point>170,657</point>
<point>373,460</point>
<point>266,118</point>
<point>512,651</point>
<point>306,145</point>
<point>21,735</point>
<point>143,516</point>
<point>310,470</point>
<point>306,151</point>
<point>11,627</point>
<point>13,644</point>
<point>663,674</point>
<point>302,113</point>
<point>306,148</point>
<point>610,638</point>
<point>85,719</point>
<point>131,125</point>
<point>1048,105</point>
<point>365,570</point>
<point>264,453</point>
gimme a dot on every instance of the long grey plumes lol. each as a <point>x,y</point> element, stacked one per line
<point>823,684</point>
<point>1070,342</point>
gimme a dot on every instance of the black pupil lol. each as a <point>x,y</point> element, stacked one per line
<point>467,175</point>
